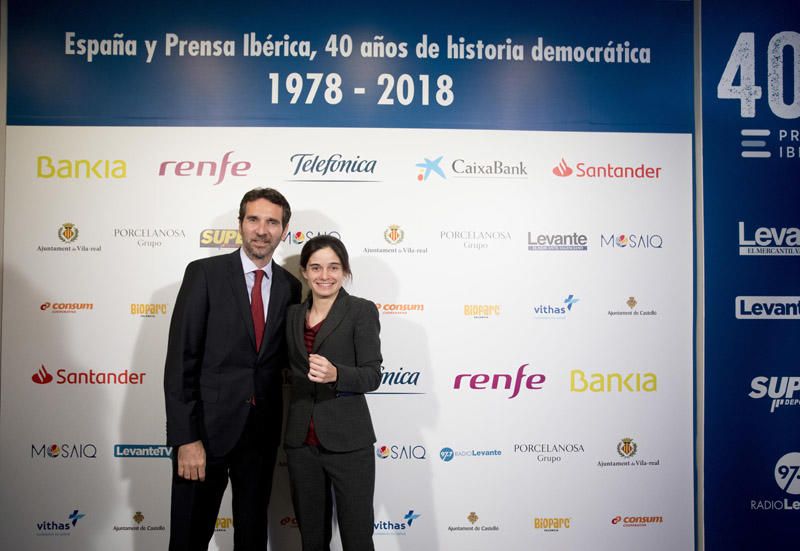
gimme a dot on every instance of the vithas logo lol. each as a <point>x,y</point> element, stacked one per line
<point>42,377</point>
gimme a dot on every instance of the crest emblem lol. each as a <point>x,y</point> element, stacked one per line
<point>138,517</point>
<point>627,447</point>
<point>393,234</point>
<point>631,302</point>
<point>472,517</point>
<point>68,232</point>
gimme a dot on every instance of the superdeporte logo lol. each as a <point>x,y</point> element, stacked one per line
<point>780,308</point>
<point>781,390</point>
<point>91,377</point>
<point>773,241</point>
<point>214,171</point>
<point>609,171</point>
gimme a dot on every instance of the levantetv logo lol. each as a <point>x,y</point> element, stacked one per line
<point>142,451</point>
<point>772,241</point>
<point>780,308</point>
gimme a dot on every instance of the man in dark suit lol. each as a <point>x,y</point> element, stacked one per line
<point>222,379</point>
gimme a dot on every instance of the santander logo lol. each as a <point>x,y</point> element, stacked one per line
<point>562,169</point>
<point>42,377</point>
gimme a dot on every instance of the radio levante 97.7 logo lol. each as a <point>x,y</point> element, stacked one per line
<point>787,476</point>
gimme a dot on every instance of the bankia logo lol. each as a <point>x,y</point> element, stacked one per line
<point>557,242</point>
<point>399,381</point>
<point>428,167</point>
<point>142,451</point>
<point>401,451</point>
<point>622,383</point>
<point>59,527</point>
<point>780,390</point>
<point>769,241</point>
<point>636,521</point>
<point>213,171</point>
<point>91,377</point>
<point>334,167</point>
<point>761,307</point>
<point>607,171</point>
<point>395,526</point>
<point>501,381</point>
<point>223,524</point>
<point>555,311</point>
<point>631,241</point>
<point>64,450</point>
<point>50,168</point>
<point>65,307</point>
<point>490,169</point>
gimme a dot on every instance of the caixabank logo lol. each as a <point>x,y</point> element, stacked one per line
<point>489,169</point>
<point>787,477</point>
<point>68,377</point>
<point>779,391</point>
<point>637,172</point>
<point>59,527</point>
<point>430,167</point>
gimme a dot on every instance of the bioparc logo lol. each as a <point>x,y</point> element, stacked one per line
<point>213,171</point>
<point>65,307</point>
<point>64,451</point>
<point>500,381</point>
<point>769,241</point>
<point>780,390</point>
<point>787,477</point>
<point>144,310</point>
<point>396,527</point>
<point>404,451</point>
<point>336,167</point>
<point>556,311</point>
<point>223,524</point>
<point>758,307</point>
<point>142,451</point>
<point>552,524</point>
<point>58,527</point>
<point>91,377</point>
<point>474,525</point>
<point>400,381</point>
<point>482,311</point>
<point>607,171</point>
<point>428,167</point>
<point>447,454</point>
<point>634,521</point>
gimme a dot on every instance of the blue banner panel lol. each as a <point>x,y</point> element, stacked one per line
<point>751,156</point>
<point>613,65</point>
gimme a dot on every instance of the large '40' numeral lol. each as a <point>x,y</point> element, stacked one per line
<point>742,61</point>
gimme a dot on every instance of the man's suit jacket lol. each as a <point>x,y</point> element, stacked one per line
<point>349,339</point>
<point>212,368</point>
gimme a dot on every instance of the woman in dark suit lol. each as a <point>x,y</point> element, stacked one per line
<point>335,357</point>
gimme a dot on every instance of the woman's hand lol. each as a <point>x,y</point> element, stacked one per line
<point>320,370</point>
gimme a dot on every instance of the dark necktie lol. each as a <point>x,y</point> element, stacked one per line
<point>257,308</point>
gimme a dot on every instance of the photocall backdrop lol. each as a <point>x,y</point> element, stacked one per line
<point>513,183</point>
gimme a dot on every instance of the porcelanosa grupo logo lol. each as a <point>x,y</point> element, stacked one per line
<point>608,171</point>
<point>428,167</point>
<point>336,167</point>
<point>550,452</point>
<point>780,391</point>
<point>513,384</point>
<point>213,171</point>
<point>152,237</point>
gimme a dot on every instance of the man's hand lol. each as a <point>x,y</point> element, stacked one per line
<point>320,370</point>
<point>192,461</point>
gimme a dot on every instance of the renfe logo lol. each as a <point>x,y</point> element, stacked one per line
<point>207,168</point>
<point>750,308</point>
<point>502,380</point>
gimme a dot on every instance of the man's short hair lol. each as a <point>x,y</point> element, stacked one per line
<point>271,195</point>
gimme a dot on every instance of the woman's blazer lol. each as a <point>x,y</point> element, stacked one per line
<point>349,339</point>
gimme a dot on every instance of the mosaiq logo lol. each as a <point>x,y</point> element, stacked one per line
<point>607,171</point>
<point>631,241</point>
<point>403,451</point>
<point>65,451</point>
